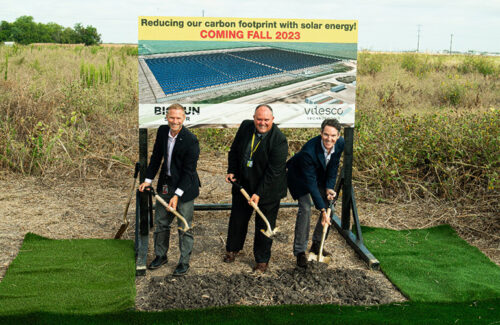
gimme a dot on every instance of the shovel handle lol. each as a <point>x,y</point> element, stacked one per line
<point>175,213</point>
<point>254,206</point>
<point>132,189</point>
<point>259,212</point>
<point>169,208</point>
<point>136,169</point>
<point>325,228</point>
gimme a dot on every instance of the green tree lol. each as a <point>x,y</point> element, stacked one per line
<point>53,32</point>
<point>87,35</point>
<point>5,31</point>
<point>24,30</point>
<point>68,36</point>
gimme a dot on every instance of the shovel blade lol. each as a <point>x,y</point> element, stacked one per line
<point>266,233</point>
<point>319,258</point>
<point>184,230</point>
<point>312,257</point>
<point>122,229</point>
<point>269,233</point>
<point>324,259</point>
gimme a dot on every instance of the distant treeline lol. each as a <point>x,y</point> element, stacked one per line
<point>25,31</point>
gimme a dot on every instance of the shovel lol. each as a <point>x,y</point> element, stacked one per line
<point>268,232</point>
<point>169,209</point>
<point>320,257</point>
<point>125,223</point>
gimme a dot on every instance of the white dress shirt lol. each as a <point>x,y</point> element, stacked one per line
<point>170,148</point>
<point>327,154</point>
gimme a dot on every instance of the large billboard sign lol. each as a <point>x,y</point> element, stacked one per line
<point>220,69</point>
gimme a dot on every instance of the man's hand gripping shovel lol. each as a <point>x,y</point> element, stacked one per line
<point>169,208</point>
<point>320,257</point>
<point>268,232</point>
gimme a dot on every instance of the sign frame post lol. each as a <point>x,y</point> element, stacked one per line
<point>143,216</point>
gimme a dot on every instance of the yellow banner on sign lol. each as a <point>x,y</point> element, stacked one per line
<point>247,29</point>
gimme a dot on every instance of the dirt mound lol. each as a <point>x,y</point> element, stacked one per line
<point>315,285</point>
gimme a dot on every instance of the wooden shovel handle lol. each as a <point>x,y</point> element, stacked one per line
<point>256,208</point>
<point>325,228</point>
<point>132,190</point>
<point>172,210</point>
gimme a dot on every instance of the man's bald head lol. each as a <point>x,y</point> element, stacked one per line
<point>263,118</point>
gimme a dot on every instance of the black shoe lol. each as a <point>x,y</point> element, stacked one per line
<point>302,260</point>
<point>315,249</point>
<point>157,262</point>
<point>181,269</point>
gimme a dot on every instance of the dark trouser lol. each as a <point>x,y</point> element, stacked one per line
<point>238,226</point>
<point>163,219</point>
<point>302,225</point>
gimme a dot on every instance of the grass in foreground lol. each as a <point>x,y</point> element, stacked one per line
<point>92,281</point>
<point>84,276</point>
<point>483,312</point>
<point>434,264</point>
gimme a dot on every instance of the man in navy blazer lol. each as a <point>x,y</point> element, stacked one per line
<point>178,184</point>
<point>312,173</point>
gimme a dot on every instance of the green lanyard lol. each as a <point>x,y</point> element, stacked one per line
<point>252,149</point>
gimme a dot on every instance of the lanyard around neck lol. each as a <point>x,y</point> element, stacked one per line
<point>252,149</point>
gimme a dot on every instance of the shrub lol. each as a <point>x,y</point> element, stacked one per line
<point>415,63</point>
<point>369,64</point>
<point>483,65</point>
<point>451,93</point>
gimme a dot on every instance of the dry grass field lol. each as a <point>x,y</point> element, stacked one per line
<point>435,117</point>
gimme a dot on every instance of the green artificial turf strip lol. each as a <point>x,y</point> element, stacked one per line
<point>434,264</point>
<point>481,312</point>
<point>69,276</point>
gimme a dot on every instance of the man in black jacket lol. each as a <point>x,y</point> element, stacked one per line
<point>312,173</point>
<point>257,161</point>
<point>178,184</point>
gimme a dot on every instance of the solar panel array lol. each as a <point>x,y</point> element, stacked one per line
<point>184,73</point>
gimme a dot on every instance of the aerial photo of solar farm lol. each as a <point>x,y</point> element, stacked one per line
<point>210,72</point>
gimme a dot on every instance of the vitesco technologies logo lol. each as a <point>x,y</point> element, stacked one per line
<point>324,111</point>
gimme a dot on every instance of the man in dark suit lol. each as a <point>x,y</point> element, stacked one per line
<point>178,184</point>
<point>257,161</point>
<point>312,172</point>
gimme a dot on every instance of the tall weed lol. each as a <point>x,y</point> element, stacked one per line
<point>483,65</point>
<point>438,155</point>
<point>6,66</point>
<point>369,64</point>
<point>58,121</point>
<point>416,64</point>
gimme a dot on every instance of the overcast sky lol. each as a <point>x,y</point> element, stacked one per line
<point>387,25</point>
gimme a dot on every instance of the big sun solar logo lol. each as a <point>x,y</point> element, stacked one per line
<point>189,110</point>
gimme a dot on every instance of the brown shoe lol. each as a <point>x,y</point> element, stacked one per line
<point>315,249</point>
<point>230,256</point>
<point>260,267</point>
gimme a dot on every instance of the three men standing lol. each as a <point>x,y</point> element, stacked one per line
<point>257,161</point>
<point>312,173</point>
<point>178,184</point>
